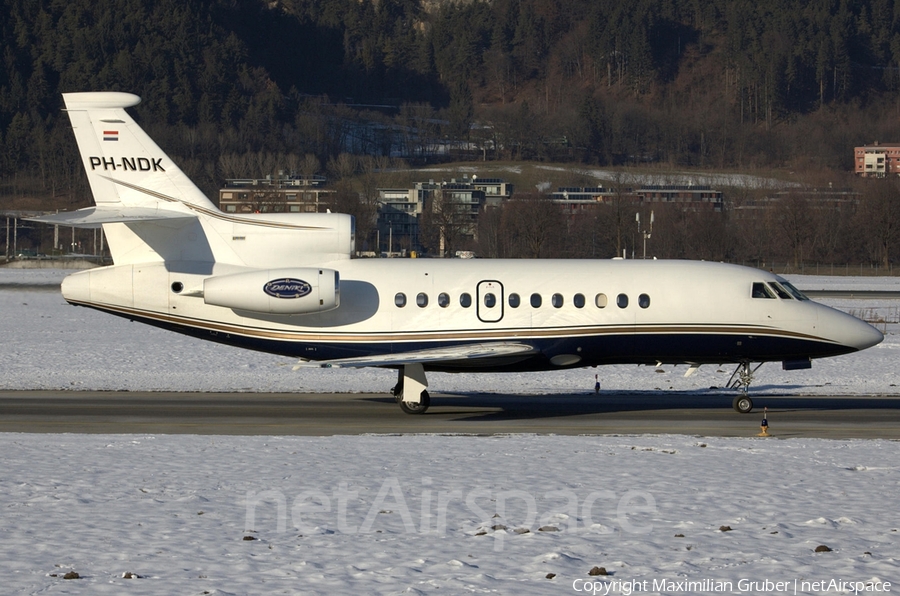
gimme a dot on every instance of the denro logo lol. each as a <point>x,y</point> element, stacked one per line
<point>287,287</point>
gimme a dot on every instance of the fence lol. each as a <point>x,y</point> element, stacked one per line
<point>844,269</point>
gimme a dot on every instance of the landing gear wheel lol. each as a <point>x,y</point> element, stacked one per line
<point>742,404</point>
<point>415,408</point>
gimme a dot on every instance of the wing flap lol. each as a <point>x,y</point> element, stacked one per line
<point>433,355</point>
<point>94,217</point>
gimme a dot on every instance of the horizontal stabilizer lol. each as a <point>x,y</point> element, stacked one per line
<point>448,354</point>
<point>94,217</point>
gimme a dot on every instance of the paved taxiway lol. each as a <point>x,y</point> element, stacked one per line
<point>331,414</point>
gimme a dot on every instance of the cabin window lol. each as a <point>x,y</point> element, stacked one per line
<point>622,300</point>
<point>536,300</point>
<point>490,301</point>
<point>422,300</point>
<point>601,300</point>
<point>400,300</point>
<point>794,291</point>
<point>644,301</point>
<point>443,300</point>
<point>465,300</point>
<point>782,293</point>
<point>514,300</point>
<point>578,300</point>
<point>761,290</point>
<point>556,300</point>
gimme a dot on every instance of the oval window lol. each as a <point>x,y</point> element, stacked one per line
<point>490,301</point>
<point>465,300</point>
<point>443,300</point>
<point>601,301</point>
<point>556,300</point>
<point>578,300</point>
<point>422,300</point>
<point>400,300</point>
<point>644,301</point>
<point>536,300</point>
<point>622,300</point>
<point>514,300</point>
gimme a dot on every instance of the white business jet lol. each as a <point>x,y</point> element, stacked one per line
<point>285,283</point>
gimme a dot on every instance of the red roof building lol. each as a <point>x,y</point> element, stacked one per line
<point>876,161</point>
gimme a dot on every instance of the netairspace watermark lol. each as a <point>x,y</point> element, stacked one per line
<point>741,586</point>
<point>599,511</point>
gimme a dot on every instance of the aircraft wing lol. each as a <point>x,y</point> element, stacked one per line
<point>445,354</point>
<point>94,217</point>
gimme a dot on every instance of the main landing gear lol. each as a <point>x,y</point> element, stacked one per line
<point>741,379</point>
<point>410,391</point>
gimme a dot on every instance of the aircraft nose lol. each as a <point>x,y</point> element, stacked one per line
<point>867,336</point>
<point>858,334</point>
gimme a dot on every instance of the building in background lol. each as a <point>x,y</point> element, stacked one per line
<point>575,201</point>
<point>276,194</point>
<point>445,212</point>
<point>876,160</point>
<point>399,214</point>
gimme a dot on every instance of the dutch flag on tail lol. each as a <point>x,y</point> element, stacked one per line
<point>110,135</point>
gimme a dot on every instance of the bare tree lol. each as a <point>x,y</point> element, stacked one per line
<point>534,226</point>
<point>232,165</point>
<point>343,167</point>
<point>490,233</point>
<point>620,219</point>
<point>879,218</point>
<point>709,236</point>
<point>792,215</point>
<point>348,201</point>
<point>310,165</point>
<point>445,224</point>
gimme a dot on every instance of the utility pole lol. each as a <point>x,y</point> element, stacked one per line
<point>646,231</point>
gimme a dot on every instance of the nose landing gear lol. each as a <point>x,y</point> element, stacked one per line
<point>741,379</point>
<point>742,404</point>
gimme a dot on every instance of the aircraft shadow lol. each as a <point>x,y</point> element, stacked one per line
<point>491,407</point>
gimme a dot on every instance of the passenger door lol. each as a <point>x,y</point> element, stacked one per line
<point>489,301</point>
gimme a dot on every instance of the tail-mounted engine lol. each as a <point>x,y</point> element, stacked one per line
<point>295,291</point>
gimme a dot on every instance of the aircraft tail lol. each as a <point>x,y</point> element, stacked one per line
<point>124,166</point>
<point>143,200</point>
<point>151,211</point>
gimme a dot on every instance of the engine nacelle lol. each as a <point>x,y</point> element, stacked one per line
<point>294,291</point>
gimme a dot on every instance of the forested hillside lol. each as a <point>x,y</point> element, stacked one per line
<point>709,83</point>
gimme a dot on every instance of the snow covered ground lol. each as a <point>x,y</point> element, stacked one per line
<point>442,514</point>
<point>425,514</point>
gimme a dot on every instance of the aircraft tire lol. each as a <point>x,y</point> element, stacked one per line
<point>416,408</point>
<point>742,404</point>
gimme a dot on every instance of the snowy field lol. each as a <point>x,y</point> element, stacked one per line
<point>427,514</point>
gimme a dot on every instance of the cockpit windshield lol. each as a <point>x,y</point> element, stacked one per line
<point>794,291</point>
<point>761,290</point>
<point>782,293</point>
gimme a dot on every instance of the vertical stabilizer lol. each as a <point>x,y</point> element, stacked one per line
<point>123,164</point>
<point>151,212</point>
